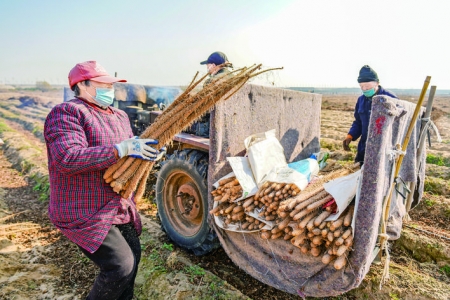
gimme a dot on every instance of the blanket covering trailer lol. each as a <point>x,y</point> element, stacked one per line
<point>296,118</point>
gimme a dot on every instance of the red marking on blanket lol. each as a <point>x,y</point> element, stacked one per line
<point>379,124</point>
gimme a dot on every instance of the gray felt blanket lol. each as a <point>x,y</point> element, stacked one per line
<point>296,117</point>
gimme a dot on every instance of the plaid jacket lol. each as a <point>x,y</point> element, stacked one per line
<point>80,140</point>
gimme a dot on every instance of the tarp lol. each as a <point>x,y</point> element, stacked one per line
<point>296,117</point>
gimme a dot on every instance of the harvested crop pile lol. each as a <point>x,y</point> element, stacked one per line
<point>129,174</point>
<point>295,215</point>
<point>301,219</point>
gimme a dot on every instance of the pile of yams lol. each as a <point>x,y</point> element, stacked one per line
<point>299,216</point>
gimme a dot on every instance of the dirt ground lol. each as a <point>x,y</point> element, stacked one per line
<point>38,262</point>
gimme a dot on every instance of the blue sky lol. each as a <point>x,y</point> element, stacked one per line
<point>319,43</point>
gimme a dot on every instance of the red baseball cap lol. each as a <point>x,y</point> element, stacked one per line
<point>90,70</point>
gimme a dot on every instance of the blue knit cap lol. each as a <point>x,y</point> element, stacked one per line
<point>367,74</point>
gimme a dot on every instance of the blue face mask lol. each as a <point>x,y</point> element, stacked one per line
<point>369,93</point>
<point>104,97</point>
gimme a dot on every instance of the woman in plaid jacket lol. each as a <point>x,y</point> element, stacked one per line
<point>84,137</point>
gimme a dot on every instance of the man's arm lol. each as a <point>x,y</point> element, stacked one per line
<point>356,129</point>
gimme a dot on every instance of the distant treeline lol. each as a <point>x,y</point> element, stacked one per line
<point>357,91</point>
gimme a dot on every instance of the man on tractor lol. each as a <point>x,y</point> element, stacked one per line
<point>217,66</point>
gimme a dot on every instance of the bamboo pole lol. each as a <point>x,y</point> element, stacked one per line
<point>399,160</point>
<point>412,124</point>
<point>420,147</point>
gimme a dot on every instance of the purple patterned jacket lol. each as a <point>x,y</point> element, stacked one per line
<point>80,139</point>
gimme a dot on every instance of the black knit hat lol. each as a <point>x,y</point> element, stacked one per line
<point>367,74</point>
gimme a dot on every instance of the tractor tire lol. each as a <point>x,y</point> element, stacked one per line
<point>182,201</point>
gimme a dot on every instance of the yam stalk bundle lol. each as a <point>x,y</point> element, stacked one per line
<point>129,174</point>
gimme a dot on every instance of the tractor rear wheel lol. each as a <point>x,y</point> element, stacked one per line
<point>182,200</point>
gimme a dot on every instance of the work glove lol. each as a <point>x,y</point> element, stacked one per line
<point>161,154</point>
<point>346,143</point>
<point>139,148</point>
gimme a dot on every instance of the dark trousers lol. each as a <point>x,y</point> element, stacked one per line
<point>360,157</point>
<point>118,258</point>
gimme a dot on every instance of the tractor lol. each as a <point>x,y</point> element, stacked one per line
<point>182,189</point>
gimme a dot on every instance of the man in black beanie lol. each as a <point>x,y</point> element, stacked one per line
<point>370,86</point>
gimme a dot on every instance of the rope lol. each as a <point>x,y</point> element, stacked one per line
<point>385,275</point>
<point>427,126</point>
<point>394,153</point>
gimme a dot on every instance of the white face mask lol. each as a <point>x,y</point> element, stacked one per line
<point>210,68</point>
<point>103,96</point>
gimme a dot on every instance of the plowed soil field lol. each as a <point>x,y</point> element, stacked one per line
<point>38,262</point>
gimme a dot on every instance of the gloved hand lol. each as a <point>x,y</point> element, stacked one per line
<point>138,148</point>
<point>162,153</point>
<point>346,143</point>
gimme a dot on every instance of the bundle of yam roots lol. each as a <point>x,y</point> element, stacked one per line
<point>299,216</point>
<point>130,174</point>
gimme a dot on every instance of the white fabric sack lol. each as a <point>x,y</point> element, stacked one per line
<point>343,189</point>
<point>285,174</point>
<point>264,153</point>
<point>243,172</point>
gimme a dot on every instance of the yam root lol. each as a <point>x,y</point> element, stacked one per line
<point>327,258</point>
<point>349,216</point>
<point>230,208</point>
<point>349,241</point>
<point>340,262</point>
<point>283,224</point>
<point>319,203</point>
<point>325,214</point>
<point>247,202</point>
<point>338,223</point>
<point>237,209</point>
<point>316,251</point>
<point>226,180</point>
<point>305,221</point>
<point>347,233</point>
<point>265,235</point>
<point>277,235</point>
<point>298,240</point>
<point>337,233</point>
<point>317,240</point>
<point>339,241</point>
<point>341,250</point>
<point>304,249</point>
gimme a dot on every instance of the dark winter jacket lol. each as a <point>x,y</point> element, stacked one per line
<point>360,126</point>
